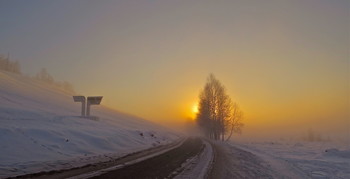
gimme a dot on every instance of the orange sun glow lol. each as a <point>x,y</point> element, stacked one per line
<point>195,108</point>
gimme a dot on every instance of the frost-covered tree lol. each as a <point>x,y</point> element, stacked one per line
<point>235,123</point>
<point>217,115</point>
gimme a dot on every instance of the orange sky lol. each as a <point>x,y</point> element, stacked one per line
<point>285,62</point>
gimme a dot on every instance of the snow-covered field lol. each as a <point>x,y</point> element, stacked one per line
<point>303,159</point>
<point>40,129</point>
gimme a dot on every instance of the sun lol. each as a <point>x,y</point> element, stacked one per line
<point>195,108</point>
<point>192,110</point>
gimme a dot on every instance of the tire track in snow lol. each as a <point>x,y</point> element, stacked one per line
<point>198,166</point>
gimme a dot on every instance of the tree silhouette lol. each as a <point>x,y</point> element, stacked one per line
<point>9,66</point>
<point>217,115</point>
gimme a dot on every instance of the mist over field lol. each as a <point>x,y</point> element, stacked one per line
<point>285,63</point>
<point>175,89</point>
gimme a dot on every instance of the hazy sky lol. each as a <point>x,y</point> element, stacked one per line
<point>286,62</point>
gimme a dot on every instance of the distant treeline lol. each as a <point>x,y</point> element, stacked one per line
<point>7,65</point>
<point>312,136</point>
<point>44,76</point>
<point>14,67</point>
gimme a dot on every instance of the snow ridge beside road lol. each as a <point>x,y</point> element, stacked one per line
<point>198,166</point>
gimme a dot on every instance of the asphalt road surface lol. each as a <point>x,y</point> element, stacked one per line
<point>162,162</point>
<point>161,166</point>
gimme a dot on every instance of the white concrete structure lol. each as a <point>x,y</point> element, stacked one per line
<point>82,100</point>
<point>91,100</point>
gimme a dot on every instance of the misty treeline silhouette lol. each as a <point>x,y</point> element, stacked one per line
<point>7,65</point>
<point>217,114</point>
<point>44,76</point>
<point>14,67</point>
<point>312,136</point>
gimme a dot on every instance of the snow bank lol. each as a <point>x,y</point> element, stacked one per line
<point>40,130</point>
<point>199,165</point>
<point>303,159</point>
<point>337,153</point>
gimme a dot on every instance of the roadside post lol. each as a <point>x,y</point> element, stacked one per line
<point>92,100</point>
<point>82,100</point>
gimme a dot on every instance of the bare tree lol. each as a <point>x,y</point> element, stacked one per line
<point>217,115</point>
<point>235,123</point>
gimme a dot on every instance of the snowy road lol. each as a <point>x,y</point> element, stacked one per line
<point>280,168</point>
<point>191,158</point>
<point>165,165</point>
<point>231,162</point>
<point>194,158</point>
<point>182,158</point>
<point>96,169</point>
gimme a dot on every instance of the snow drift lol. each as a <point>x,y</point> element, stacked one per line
<point>40,129</point>
<point>325,159</point>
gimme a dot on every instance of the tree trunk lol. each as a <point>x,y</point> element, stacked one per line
<point>228,138</point>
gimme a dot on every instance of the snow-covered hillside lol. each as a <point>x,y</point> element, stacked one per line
<point>40,129</point>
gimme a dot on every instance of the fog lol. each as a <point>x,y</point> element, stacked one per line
<point>321,129</point>
<point>286,63</point>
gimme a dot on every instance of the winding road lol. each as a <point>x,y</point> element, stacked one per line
<point>186,158</point>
